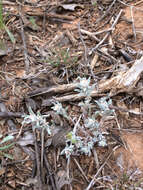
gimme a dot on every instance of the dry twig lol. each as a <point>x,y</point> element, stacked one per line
<point>24,43</point>
<point>97,173</point>
<point>108,33</point>
<point>107,12</point>
<point>40,184</point>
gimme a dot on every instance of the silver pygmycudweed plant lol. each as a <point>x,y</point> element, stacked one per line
<point>91,133</point>
<point>84,87</point>
<point>71,140</point>
<point>58,108</point>
<point>79,144</point>
<point>68,150</point>
<point>103,105</point>
<point>37,121</point>
<point>91,123</point>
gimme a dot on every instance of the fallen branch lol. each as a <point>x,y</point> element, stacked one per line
<point>108,33</point>
<point>123,82</point>
<point>107,12</point>
<point>9,114</point>
<point>54,90</point>
<point>72,97</point>
<point>24,43</point>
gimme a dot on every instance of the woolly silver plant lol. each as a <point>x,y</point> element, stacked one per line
<point>36,120</point>
<point>58,108</point>
<point>75,143</point>
<point>84,88</point>
<point>104,107</point>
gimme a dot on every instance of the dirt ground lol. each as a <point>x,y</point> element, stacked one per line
<point>46,47</point>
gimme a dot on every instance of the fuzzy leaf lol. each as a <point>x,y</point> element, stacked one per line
<point>6,139</point>
<point>8,156</point>
<point>6,146</point>
<point>11,36</point>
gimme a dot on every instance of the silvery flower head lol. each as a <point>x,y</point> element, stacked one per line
<point>37,121</point>
<point>101,140</point>
<point>87,147</point>
<point>32,117</point>
<point>104,106</point>
<point>58,108</point>
<point>84,87</point>
<point>68,150</point>
<point>91,123</point>
<point>102,143</point>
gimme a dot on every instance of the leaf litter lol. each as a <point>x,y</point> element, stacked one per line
<point>74,57</point>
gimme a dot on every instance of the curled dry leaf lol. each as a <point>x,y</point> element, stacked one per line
<point>32,181</point>
<point>130,158</point>
<point>26,139</point>
<point>94,61</point>
<point>59,139</point>
<point>61,179</point>
<point>5,51</point>
<point>69,7</point>
<point>2,171</point>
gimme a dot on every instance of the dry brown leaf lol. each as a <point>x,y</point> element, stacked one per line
<point>27,139</point>
<point>2,171</point>
<point>61,179</point>
<point>20,73</point>
<point>70,7</point>
<point>72,25</point>
<point>131,158</point>
<point>12,183</point>
<point>94,61</point>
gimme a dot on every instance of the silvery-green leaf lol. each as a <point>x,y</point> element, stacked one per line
<point>8,138</point>
<point>8,156</point>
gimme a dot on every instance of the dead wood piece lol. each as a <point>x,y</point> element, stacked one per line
<point>102,31</point>
<point>80,169</point>
<point>125,55</point>
<point>53,90</point>
<point>66,17</point>
<point>94,61</point>
<point>71,37</point>
<point>92,35</point>
<point>105,54</point>
<point>9,121</point>
<point>9,114</point>
<point>72,97</point>
<point>84,45</point>
<point>124,82</point>
<point>29,152</point>
<point>99,170</point>
<point>125,110</point>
